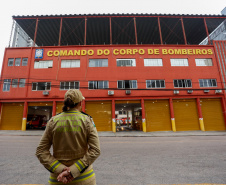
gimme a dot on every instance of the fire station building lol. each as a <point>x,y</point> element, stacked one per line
<point>143,72</point>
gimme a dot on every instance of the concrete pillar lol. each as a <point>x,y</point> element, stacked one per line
<point>113,116</point>
<point>172,115</point>
<point>143,116</point>
<point>202,127</point>
<point>24,120</point>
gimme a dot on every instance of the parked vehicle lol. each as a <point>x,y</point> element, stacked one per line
<point>36,121</point>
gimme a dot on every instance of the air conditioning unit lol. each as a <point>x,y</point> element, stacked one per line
<point>128,91</point>
<point>110,92</point>
<point>206,91</point>
<point>190,91</point>
<point>45,93</point>
<point>218,91</point>
<point>176,92</point>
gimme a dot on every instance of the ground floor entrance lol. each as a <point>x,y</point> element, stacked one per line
<point>148,115</point>
<point>128,115</point>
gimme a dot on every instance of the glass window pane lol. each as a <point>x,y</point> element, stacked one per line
<point>22,82</point>
<point>127,84</point>
<point>10,61</point>
<point>62,85</point>
<point>205,83</point>
<point>162,83</point>
<point>189,83</point>
<point>72,85</point>
<point>214,83</point>
<point>17,61</point>
<point>120,84</point>
<point>48,85</point>
<point>157,84</point>
<point>100,84</point>
<point>24,61</point>
<point>148,83</point>
<point>36,65</point>
<point>180,83</point>
<point>41,86</point>
<point>201,83</point>
<point>91,85</point>
<point>66,85</point>
<point>14,82</point>
<point>76,85</point>
<point>175,83</point>
<point>153,84</point>
<point>34,86</point>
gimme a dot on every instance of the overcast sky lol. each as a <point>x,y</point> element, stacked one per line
<point>47,7</point>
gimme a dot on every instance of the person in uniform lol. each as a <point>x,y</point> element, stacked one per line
<point>74,139</point>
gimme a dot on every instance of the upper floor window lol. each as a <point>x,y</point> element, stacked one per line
<point>69,85</point>
<point>17,61</point>
<point>98,84</point>
<point>41,86</point>
<point>14,83</point>
<point>98,62</point>
<point>204,62</point>
<point>127,84</point>
<point>70,63</point>
<point>126,62</point>
<point>10,61</point>
<point>24,61</point>
<point>22,82</point>
<point>179,62</point>
<point>153,62</point>
<point>182,83</point>
<point>155,83</point>
<point>6,84</point>
<point>207,82</point>
<point>43,64</point>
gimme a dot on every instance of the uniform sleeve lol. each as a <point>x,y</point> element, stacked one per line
<point>91,155</point>
<point>43,152</point>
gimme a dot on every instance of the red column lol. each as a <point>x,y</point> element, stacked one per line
<point>135,28</point>
<point>54,108</point>
<point>207,33</point>
<point>110,31</point>
<point>61,20</point>
<point>0,109</point>
<point>224,108</point>
<point>85,31</point>
<point>36,29</point>
<point>182,24</point>
<point>160,32</point>
<point>24,120</point>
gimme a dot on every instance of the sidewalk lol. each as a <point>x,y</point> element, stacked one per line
<point>123,134</point>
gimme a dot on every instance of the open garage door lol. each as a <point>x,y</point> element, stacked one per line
<point>11,116</point>
<point>186,114</point>
<point>212,114</point>
<point>101,114</point>
<point>157,114</point>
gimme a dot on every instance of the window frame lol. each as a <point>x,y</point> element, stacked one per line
<point>69,85</point>
<point>11,61</point>
<point>207,82</point>
<point>124,59</point>
<point>177,59</point>
<point>21,85</point>
<point>182,81</point>
<point>16,61</point>
<point>6,85</point>
<point>22,64</point>
<point>14,85</point>
<point>96,84</point>
<point>124,85</point>
<point>41,64</point>
<point>100,60</point>
<point>159,60</point>
<point>198,62</point>
<point>70,62</point>
<point>155,84</point>
<point>37,85</point>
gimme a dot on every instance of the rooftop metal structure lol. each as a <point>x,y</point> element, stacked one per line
<point>118,29</point>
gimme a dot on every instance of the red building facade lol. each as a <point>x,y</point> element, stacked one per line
<point>156,87</point>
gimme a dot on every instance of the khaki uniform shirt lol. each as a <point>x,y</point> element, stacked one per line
<point>75,143</point>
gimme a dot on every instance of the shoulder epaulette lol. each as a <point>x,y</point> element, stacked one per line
<point>86,114</point>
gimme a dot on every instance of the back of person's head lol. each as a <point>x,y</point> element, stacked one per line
<point>72,98</point>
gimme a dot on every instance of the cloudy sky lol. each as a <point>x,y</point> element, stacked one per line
<point>48,7</point>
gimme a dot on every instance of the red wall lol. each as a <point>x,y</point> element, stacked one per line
<point>112,73</point>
